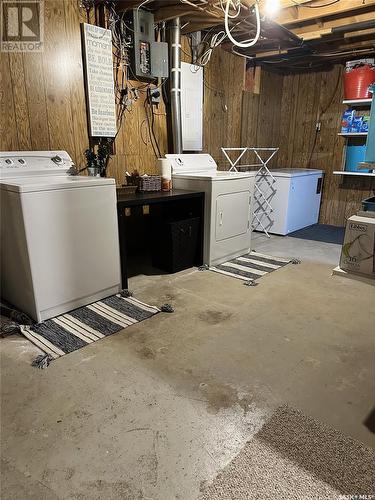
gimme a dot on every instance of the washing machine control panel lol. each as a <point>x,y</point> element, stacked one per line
<point>21,163</point>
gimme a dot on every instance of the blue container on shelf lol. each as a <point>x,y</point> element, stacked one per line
<point>355,154</point>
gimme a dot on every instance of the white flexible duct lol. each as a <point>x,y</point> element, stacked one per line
<point>246,43</point>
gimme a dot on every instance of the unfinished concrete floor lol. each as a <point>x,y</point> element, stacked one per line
<point>151,412</point>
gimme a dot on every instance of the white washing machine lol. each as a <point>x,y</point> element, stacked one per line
<point>59,235</point>
<point>228,204</point>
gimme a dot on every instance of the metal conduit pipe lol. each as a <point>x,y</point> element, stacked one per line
<point>174,38</point>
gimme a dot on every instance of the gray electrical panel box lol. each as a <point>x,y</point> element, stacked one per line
<point>149,59</point>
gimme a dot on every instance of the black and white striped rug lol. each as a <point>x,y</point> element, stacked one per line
<point>78,328</point>
<point>250,267</point>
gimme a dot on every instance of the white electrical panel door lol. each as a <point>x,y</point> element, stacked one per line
<point>232,215</point>
<point>192,107</point>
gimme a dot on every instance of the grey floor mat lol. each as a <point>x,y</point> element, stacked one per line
<point>321,232</point>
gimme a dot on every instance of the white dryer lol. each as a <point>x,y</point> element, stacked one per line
<point>228,204</point>
<point>59,234</point>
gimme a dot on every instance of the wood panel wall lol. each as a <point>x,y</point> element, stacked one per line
<point>42,100</point>
<point>223,81</point>
<point>43,107</point>
<point>285,114</point>
<point>261,114</point>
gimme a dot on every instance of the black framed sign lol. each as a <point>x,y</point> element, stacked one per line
<point>97,48</point>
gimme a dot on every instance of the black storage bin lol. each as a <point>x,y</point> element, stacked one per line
<point>177,244</point>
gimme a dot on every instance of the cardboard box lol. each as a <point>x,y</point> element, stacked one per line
<point>358,250</point>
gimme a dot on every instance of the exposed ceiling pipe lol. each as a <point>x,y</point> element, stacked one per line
<point>290,35</point>
<point>292,58</point>
<point>354,27</point>
<point>174,38</point>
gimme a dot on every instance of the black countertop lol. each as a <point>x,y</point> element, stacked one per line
<point>131,199</point>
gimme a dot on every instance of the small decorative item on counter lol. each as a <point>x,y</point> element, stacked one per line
<point>91,163</point>
<point>132,179</point>
<point>347,120</point>
<point>127,187</point>
<point>149,183</point>
<point>103,155</point>
<point>97,163</point>
<point>143,182</point>
<point>165,170</point>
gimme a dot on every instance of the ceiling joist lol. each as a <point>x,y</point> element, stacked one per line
<point>301,13</point>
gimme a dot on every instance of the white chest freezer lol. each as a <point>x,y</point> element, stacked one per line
<point>295,200</point>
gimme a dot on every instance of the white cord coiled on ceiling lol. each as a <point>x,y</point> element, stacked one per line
<point>247,43</point>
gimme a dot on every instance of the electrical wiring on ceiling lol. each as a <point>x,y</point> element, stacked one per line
<point>206,46</point>
<point>143,4</point>
<point>216,40</point>
<point>247,43</point>
<point>240,54</point>
<point>237,8</point>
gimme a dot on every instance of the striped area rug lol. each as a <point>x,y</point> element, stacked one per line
<point>250,267</point>
<point>78,328</point>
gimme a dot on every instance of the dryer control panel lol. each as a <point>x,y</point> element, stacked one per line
<point>190,163</point>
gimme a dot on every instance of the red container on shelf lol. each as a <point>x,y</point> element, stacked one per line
<point>359,76</point>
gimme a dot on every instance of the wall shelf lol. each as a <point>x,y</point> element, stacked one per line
<point>353,134</point>
<point>351,145</point>
<point>358,174</point>
<point>358,102</point>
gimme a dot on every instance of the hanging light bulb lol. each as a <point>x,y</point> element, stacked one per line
<point>272,7</point>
